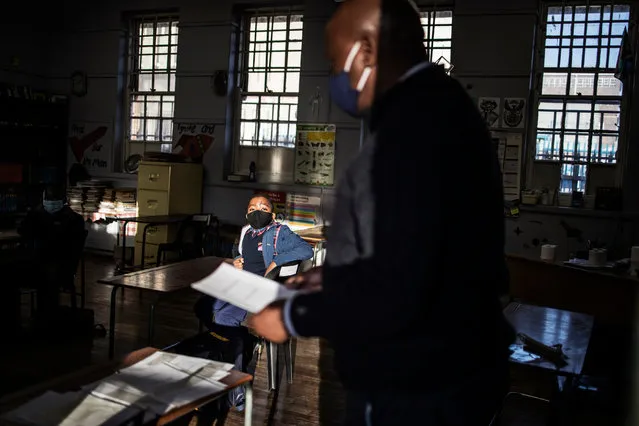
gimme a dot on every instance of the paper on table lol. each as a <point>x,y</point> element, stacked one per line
<point>47,409</point>
<point>243,289</point>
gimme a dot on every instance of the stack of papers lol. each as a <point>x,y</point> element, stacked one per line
<point>151,388</point>
<point>243,289</point>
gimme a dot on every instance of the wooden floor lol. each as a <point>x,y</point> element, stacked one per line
<point>314,398</point>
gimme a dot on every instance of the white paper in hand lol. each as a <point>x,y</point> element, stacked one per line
<point>243,289</point>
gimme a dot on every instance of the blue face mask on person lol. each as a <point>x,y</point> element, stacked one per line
<point>52,206</point>
<point>341,91</point>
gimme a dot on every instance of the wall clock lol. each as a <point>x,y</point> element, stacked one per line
<point>79,83</point>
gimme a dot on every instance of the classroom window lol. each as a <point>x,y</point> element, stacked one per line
<point>579,98</point>
<point>438,35</point>
<point>270,64</point>
<point>152,74</point>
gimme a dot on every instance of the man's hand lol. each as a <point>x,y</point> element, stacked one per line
<point>239,263</point>
<point>270,323</point>
<point>310,280</point>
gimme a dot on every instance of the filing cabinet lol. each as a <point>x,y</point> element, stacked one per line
<point>165,189</point>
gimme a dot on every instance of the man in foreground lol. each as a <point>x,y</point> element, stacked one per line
<point>413,312</point>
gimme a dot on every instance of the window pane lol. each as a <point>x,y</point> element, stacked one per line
<point>292,82</point>
<point>547,146</point>
<point>582,84</point>
<point>275,82</point>
<point>249,111</point>
<point>137,129</point>
<point>554,84</point>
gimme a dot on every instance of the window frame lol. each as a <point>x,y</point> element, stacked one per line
<point>242,52</point>
<point>429,29</point>
<point>131,72</point>
<point>573,73</point>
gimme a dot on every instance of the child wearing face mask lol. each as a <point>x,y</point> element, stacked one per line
<point>54,235</point>
<point>264,244</point>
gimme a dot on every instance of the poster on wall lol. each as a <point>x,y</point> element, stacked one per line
<point>490,111</point>
<point>278,199</point>
<point>514,113</point>
<point>509,151</point>
<point>193,139</point>
<point>303,210</point>
<point>315,154</point>
<point>90,142</point>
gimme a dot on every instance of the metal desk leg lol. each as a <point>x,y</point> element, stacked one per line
<point>288,359</point>
<point>124,244</point>
<point>114,293</point>
<point>248,404</point>
<point>151,323</point>
<point>271,365</point>
<point>143,249</point>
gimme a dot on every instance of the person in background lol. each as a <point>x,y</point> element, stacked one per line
<point>264,245</point>
<point>54,235</point>
<point>414,316</point>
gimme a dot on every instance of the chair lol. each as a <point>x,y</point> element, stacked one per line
<point>190,240</point>
<point>280,274</point>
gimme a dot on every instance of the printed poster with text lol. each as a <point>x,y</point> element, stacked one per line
<point>315,154</point>
<point>90,142</point>
<point>193,139</point>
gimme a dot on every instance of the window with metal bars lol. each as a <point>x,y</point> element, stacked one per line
<point>152,73</point>
<point>579,98</point>
<point>438,36</point>
<point>270,64</point>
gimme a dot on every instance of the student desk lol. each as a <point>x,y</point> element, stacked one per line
<point>314,236</point>
<point>88,375</point>
<point>164,279</point>
<point>553,326</point>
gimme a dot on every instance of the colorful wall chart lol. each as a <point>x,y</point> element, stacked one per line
<point>303,210</point>
<point>315,154</point>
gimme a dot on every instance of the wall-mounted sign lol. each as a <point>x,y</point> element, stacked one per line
<point>193,139</point>
<point>315,154</point>
<point>90,143</point>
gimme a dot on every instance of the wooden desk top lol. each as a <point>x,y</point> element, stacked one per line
<point>551,327</point>
<point>78,379</point>
<point>618,277</point>
<point>312,235</point>
<point>167,278</point>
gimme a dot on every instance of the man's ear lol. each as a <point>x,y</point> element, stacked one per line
<point>369,50</point>
<point>273,214</point>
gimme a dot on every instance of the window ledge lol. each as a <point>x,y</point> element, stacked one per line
<point>575,211</point>
<point>284,187</point>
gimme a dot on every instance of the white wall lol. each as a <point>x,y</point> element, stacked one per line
<point>492,52</point>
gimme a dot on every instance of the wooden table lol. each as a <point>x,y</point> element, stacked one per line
<point>553,326</point>
<point>161,280</point>
<point>314,236</point>
<point>88,375</point>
